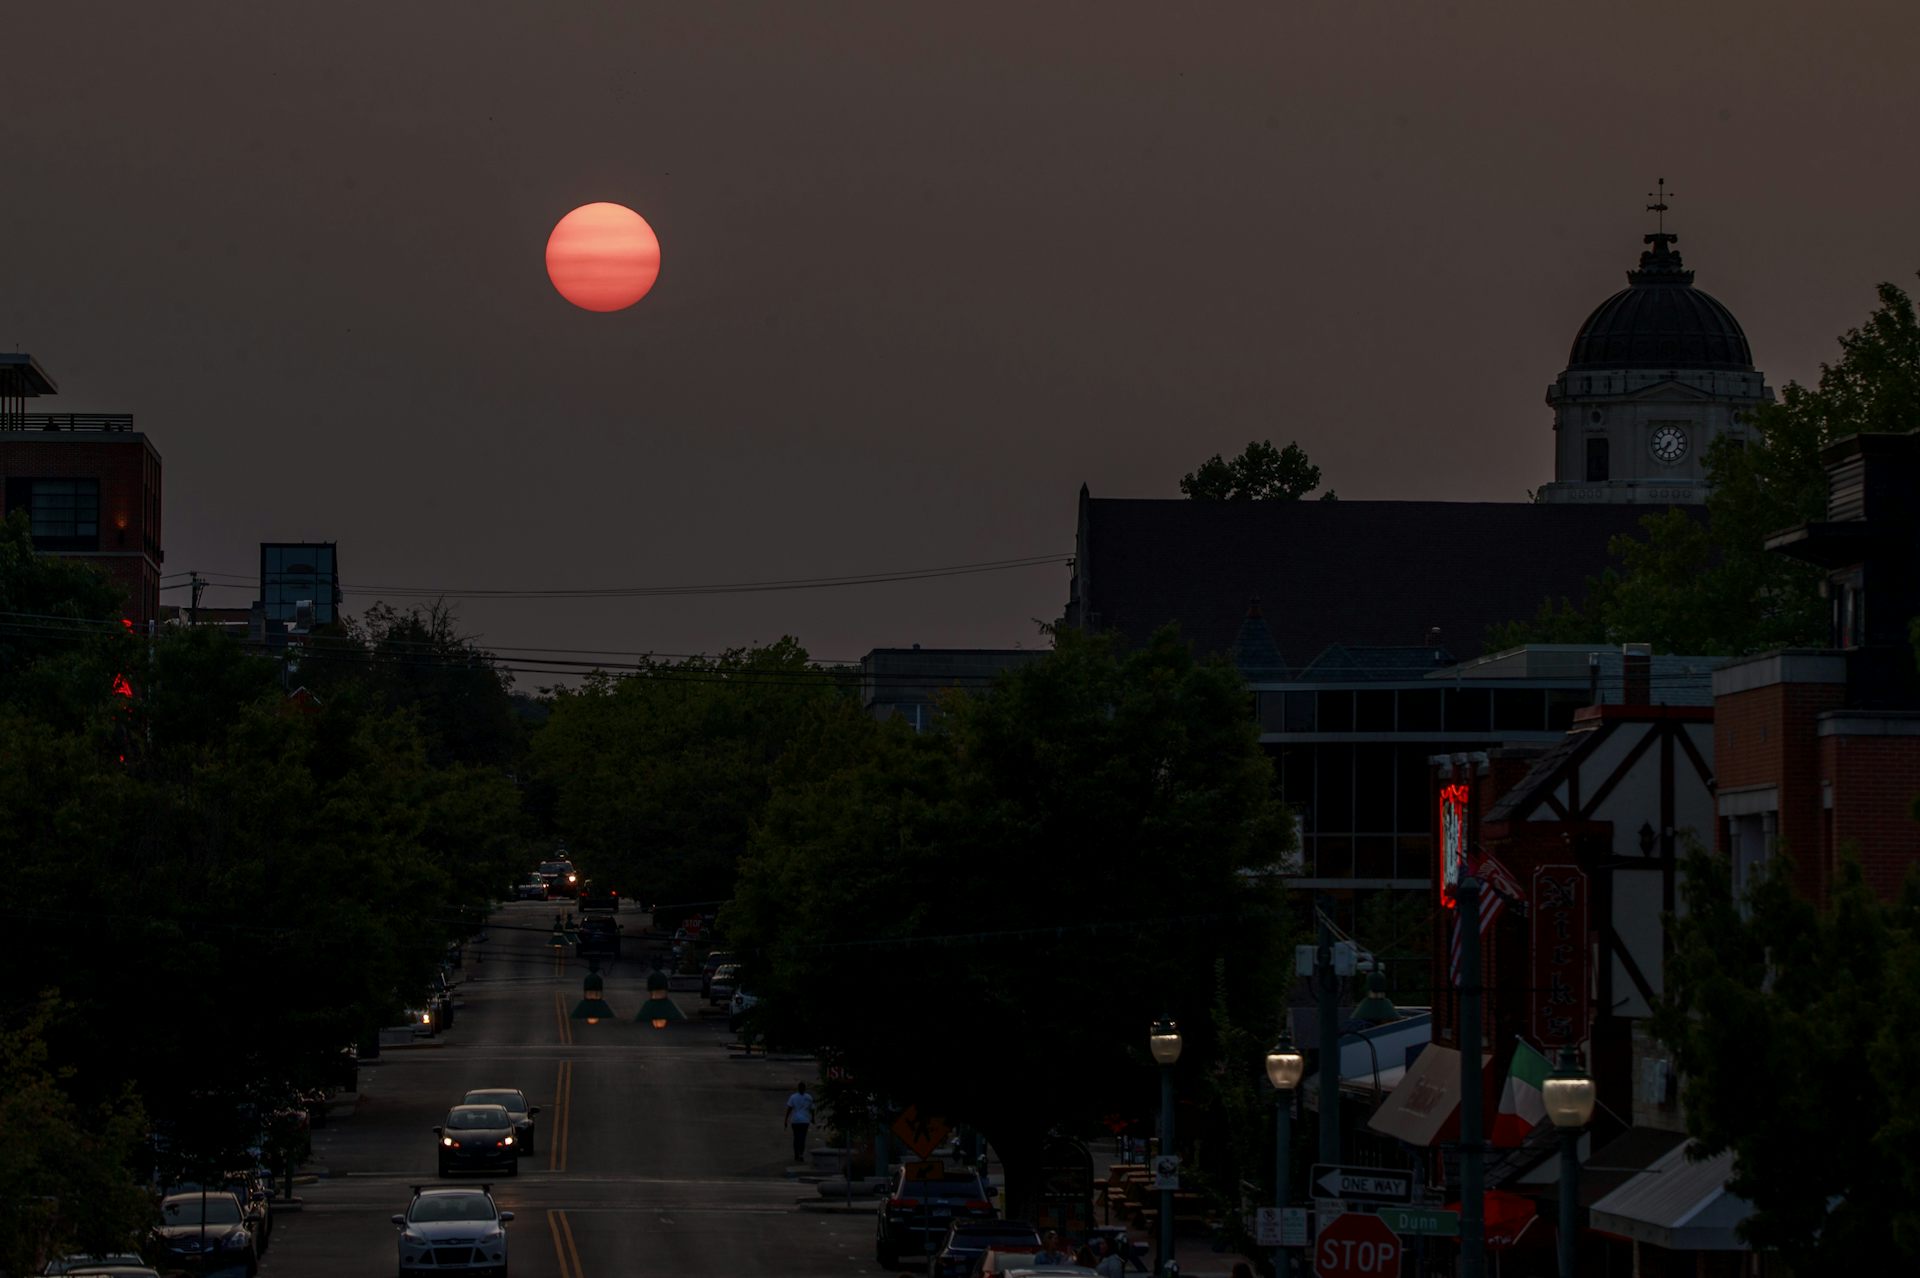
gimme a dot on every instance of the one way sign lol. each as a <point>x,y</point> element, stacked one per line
<point>1363,1184</point>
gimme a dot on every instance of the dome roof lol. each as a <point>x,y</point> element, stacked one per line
<point>1661,321</point>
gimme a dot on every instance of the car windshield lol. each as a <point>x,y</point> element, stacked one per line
<point>219,1209</point>
<point>512,1101</point>
<point>451,1207</point>
<point>477,1117</point>
<point>940,1189</point>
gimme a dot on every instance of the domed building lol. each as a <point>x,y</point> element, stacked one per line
<point>1657,373</point>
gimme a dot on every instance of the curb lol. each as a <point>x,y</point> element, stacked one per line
<point>821,1206</point>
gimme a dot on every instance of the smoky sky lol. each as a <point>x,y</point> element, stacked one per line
<point>926,268</point>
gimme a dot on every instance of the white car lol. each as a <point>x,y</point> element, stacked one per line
<point>458,1230</point>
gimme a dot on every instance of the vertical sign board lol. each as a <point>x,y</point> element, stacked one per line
<point>1560,1004</point>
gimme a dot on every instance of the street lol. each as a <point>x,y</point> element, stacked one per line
<point>655,1151</point>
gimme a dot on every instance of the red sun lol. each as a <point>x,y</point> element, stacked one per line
<point>603,257</point>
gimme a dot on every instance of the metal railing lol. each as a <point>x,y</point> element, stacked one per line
<point>112,422</point>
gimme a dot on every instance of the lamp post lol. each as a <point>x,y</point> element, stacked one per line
<point>1568,1094</point>
<point>1164,1043</point>
<point>1284,1068</point>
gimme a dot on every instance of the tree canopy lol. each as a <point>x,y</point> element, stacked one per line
<point>1066,859</point>
<point>1260,473</point>
<point>1713,588</point>
<point>1795,1029</point>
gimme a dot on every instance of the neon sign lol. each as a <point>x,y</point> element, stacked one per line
<point>1453,840</point>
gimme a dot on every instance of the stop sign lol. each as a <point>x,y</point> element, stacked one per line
<point>1356,1245</point>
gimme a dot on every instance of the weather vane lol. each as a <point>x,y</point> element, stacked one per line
<point>1659,205</point>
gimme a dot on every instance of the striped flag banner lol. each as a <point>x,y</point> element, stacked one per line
<point>1492,901</point>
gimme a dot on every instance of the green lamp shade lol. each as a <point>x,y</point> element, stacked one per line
<point>1376,1006</point>
<point>661,1011</point>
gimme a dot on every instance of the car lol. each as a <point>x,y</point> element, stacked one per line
<point>477,1138</point>
<point>916,1212</point>
<point>92,1263</point>
<point>203,1232</point>
<point>531,888</point>
<point>448,1229</point>
<point>599,938</point>
<point>720,985</point>
<point>715,960</point>
<point>968,1241</point>
<point>595,897</point>
<point>514,1101</point>
<point>737,1008</point>
<point>252,1190</point>
<point>562,879</point>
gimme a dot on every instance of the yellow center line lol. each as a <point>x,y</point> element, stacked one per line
<point>573,1250</point>
<point>562,1111</point>
<point>557,1226</point>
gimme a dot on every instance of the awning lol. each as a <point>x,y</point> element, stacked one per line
<point>1373,1060</point>
<point>1677,1204</point>
<point>1424,1107</point>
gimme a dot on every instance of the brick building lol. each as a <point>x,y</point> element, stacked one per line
<point>1819,750</point>
<point>89,482</point>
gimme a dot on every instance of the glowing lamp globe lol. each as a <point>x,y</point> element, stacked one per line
<point>603,257</point>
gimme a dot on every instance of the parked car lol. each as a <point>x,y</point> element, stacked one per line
<point>720,985</point>
<point>715,960</point>
<point>82,1260</point>
<point>514,1101</point>
<point>203,1233</point>
<point>254,1193</point>
<point>738,1007</point>
<point>453,1229</point>
<point>477,1138</point>
<point>916,1214</point>
<point>531,888</point>
<point>422,1021</point>
<point>968,1240</point>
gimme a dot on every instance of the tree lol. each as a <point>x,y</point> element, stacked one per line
<point>1261,473</point>
<point>1795,1029</point>
<point>1070,850</point>
<point>1715,588</point>
<point>658,777</point>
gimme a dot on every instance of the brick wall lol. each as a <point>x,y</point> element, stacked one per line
<point>1767,737</point>
<point>129,474</point>
<point>1875,780</point>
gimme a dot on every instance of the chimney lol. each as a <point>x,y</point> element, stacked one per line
<point>1636,674</point>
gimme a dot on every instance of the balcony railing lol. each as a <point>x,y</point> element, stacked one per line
<point>112,422</point>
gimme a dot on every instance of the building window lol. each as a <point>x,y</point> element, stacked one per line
<point>1596,459</point>
<point>65,513</point>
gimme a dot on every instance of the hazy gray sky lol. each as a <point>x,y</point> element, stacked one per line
<point>925,268</point>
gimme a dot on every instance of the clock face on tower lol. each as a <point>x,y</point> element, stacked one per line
<point>1669,445</point>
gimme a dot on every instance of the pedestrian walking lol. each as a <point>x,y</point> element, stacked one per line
<point>799,1118</point>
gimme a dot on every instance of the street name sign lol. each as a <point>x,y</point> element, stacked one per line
<point>1362,1184</point>
<point>1431,1222</point>
<point>1356,1245</point>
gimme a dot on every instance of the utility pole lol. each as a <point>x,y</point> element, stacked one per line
<point>1328,992</point>
<point>198,584</point>
<point>1473,1230</point>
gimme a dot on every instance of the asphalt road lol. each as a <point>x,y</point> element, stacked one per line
<point>655,1151</point>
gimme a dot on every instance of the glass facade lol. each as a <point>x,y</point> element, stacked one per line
<point>66,514</point>
<point>291,572</point>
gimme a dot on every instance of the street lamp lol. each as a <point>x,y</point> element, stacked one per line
<point>592,1007</point>
<point>1284,1068</point>
<point>659,1009</point>
<point>1376,1006</point>
<point>1164,1043</point>
<point>1568,1095</point>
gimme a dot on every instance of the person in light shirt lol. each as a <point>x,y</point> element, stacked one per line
<point>799,1118</point>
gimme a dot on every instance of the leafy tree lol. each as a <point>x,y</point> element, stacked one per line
<point>66,1173</point>
<point>1715,588</point>
<point>658,777</point>
<point>1060,864</point>
<point>1795,1029</point>
<point>1261,473</point>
